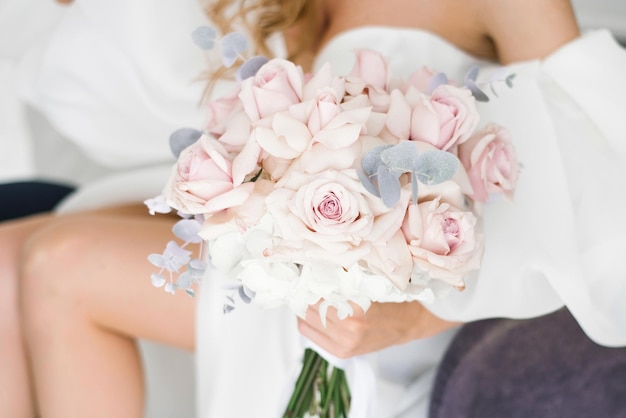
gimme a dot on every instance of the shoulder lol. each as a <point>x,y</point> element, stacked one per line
<point>527,29</point>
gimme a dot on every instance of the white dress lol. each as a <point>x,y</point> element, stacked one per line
<point>560,243</point>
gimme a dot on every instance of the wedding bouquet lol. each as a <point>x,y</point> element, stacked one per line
<point>342,190</point>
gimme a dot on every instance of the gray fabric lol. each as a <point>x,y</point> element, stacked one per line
<point>540,367</point>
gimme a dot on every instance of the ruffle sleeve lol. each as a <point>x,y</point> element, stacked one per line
<point>563,239</point>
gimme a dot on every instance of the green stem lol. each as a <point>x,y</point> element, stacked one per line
<point>310,369</point>
<point>306,366</point>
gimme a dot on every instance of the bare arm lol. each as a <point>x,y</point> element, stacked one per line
<point>528,29</point>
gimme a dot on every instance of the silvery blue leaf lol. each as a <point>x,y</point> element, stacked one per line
<point>190,292</point>
<point>228,308</point>
<point>388,186</point>
<point>414,187</point>
<point>187,230</point>
<point>157,260</point>
<point>185,280</point>
<point>197,267</point>
<point>243,295</point>
<point>371,160</point>
<point>157,204</point>
<point>175,256</point>
<point>251,66</point>
<point>233,44</point>
<point>367,183</point>
<point>493,90</point>
<point>436,81</point>
<point>472,73</point>
<point>434,167</point>
<point>182,138</point>
<point>170,288</point>
<point>204,37</point>
<point>400,157</point>
<point>509,80</point>
<point>158,280</point>
<point>478,94</point>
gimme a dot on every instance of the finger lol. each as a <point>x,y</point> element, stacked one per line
<point>319,337</point>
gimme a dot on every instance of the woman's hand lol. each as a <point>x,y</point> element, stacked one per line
<point>383,325</point>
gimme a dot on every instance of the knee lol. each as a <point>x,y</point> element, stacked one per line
<point>47,270</point>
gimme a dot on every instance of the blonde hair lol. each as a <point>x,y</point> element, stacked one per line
<point>261,19</point>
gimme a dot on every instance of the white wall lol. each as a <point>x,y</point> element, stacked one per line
<point>609,14</point>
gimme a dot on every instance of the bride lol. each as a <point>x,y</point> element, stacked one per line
<point>556,246</point>
<point>544,251</point>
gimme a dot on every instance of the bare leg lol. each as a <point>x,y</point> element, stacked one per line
<point>16,398</point>
<point>86,296</point>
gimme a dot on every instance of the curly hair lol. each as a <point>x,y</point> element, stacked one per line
<point>261,19</point>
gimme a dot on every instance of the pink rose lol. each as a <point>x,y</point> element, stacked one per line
<point>286,138</point>
<point>491,162</point>
<point>329,217</point>
<point>421,78</point>
<point>371,67</point>
<point>392,260</point>
<point>443,241</point>
<point>445,119</point>
<point>370,77</point>
<point>326,107</point>
<point>202,180</point>
<point>219,111</point>
<point>276,86</point>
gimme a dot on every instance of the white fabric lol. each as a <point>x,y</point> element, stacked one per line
<point>118,77</point>
<point>114,78</point>
<point>559,243</point>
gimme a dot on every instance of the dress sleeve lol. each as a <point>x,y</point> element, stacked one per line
<point>562,241</point>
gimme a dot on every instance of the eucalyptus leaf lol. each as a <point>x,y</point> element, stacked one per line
<point>372,159</point>
<point>437,80</point>
<point>185,280</point>
<point>197,267</point>
<point>434,167</point>
<point>187,230</point>
<point>493,90</point>
<point>414,187</point>
<point>204,37</point>
<point>158,280</point>
<point>478,94</point>
<point>251,67</point>
<point>509,80</point>
<point>243,295</point>
<point>170,288</point>
<point>182,138</point>
<point>388,186</point>
<point>472,73</point>
<point>157,260</point>
<point>233,45</point>
<point>400,157</point>
<point>367,183</point>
